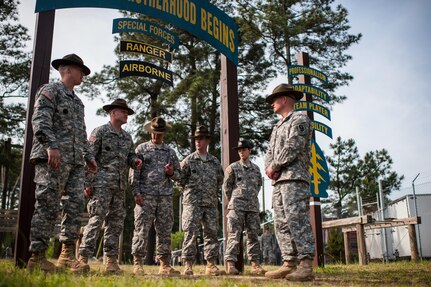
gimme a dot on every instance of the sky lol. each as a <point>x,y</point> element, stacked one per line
<point>387,103</point>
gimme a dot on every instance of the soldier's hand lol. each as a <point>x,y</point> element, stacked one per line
<point>54,158</point>
<point>272,174</point>
<point>92,166</point>
<point>169,169</point>
<point>138,163</point>
<point>139,200</point>
<point>88,192</point>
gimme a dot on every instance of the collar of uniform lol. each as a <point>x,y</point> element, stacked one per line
<point>281,121</point>
<point>67,91</point>
<point>163,145</point>
<point>114,131</point>
<point>196,156</point>
<point>246,163</point>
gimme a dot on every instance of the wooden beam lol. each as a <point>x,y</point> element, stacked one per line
<point>362,248</point>
<point>387,223</point>
<point>413,243</point>
<point>347,221</point>
<point>346,247</point>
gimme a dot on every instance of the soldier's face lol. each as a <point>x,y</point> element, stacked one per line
<point>244,153</point>
<point>120,115</point>
<point>157,138</point>
<point>76,73</point>
<point>279,103</point>
<point>201,143</point>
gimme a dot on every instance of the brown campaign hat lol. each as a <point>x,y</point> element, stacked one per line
<point>243,143</point>
<point>157,126</point>
<point>118,103</point>
<point>284,90</point>
<point>71,59</point>
<point>202,131</point>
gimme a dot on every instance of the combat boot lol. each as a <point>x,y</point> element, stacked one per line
<point>137,266</point>
<point>39,261</point>
<point>256,269</point>
<point>67,260</point>
<point>165,267</point>
<point>83,261</point>
<point>304,271</point>
<point>112,265</point>
<point>230,268</point>
<point>212,269</point>
<point>287,268</point>
<point>188,270</point>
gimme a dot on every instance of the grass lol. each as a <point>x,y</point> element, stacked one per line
<point>374,274</point>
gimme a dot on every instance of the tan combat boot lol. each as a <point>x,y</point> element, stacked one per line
<point>165,267</point>
<point>286,268</point>
<point>137,266</point>
<point>230,268</point>
<point>83,261</point>
<point>256,269</point>
<point>212,269</point>
<point>188,270</point>
<point>39,261</point>
<point>67,260</point>
<point>112,265</point>
<point>304,271</point>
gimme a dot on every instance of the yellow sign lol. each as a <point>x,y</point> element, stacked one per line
<point>304,70</point>
<point>144,69</point>
<point>308,106</point>
<point>146,49</point>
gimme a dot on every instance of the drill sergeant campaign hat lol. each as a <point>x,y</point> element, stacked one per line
<point>118,103</point>
<point>71,59</point>
<point>201,132</point>
<point>157,126</point>
<point>284,90</point>
<point>243,143</point>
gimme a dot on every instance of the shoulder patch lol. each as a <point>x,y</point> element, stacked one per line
<point>302,129</point>
<point>92,139</point>
<point>47,94</point>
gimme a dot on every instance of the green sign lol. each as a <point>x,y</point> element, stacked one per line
<point>309,106</point>
<point>145,49</point>
<point>312,90</point>
<point>144,69</point>
<point>324,129</point>
<point>319,172</point>
<point>304,70</point>
<point>121,25</point>
<point>199,17</point>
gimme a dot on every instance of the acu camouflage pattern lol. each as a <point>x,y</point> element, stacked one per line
<point>290,200</point>
<point>268,248</point>
<point>289,153</point>
<point>114,152</point>
<point>58,123</point>
<point>156,188</point>
<point>151,178</point>
<point>289,148</point>
<point>157,209</point>
<point>242,182</point>
<point>201,181</point>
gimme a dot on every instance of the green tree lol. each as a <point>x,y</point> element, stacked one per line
<point>317,27</point>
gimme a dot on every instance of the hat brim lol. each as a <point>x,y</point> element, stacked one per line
<point>149,129</point>
<point>240,147</point>
<point>201,136</point>
<point>293,94</point>
<point>108,108</point>
<point>58,62</point>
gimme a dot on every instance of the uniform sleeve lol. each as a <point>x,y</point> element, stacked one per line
<point>269,155</point>
<point>228,182</point>
<point>94,142</point>
<point>220,175</point>
<point>184,172</point>
<point>43,116</point>
<point>87,148</point>
<point>131,156</point>
<point>134,175</point>
<point>298,137</point>
<point>176,164</point>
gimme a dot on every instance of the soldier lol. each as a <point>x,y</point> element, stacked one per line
<point>59,149</point>
<point>201,179</point>
<point>153,188</point>
<point>242,182</point>
<point>267,246</point>
<point>114,151</point>
<point>287,161</point>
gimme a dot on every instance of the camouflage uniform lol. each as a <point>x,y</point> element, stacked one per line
<point>289,153</point>
<point>242,182</point>
<point>267,248</point>
<point>114,151</point>
<point>201,181</point>
<point>156,188</point>
<point>58,123</point>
